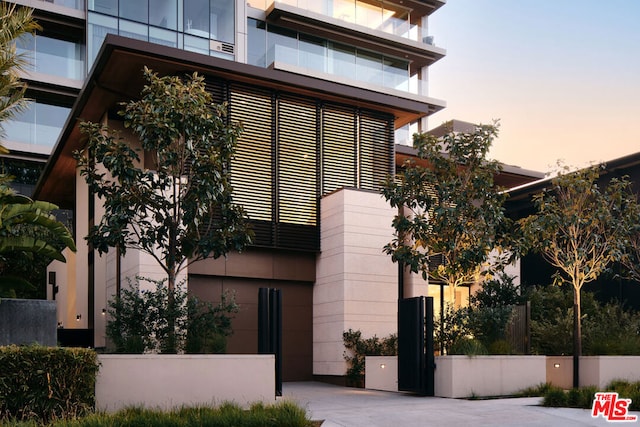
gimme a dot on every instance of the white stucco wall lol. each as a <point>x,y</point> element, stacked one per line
<point>356,283</point>
<point>171,381</point>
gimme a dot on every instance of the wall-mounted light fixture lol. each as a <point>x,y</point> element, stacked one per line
<point>78,317</point>
<point>104,311</point>
<point>556,365</point>
<point>382,366</point>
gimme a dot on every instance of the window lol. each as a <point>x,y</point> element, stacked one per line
<point>54,56</point>
<point>39,124</point>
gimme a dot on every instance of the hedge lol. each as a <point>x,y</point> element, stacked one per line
<point>46,383</point>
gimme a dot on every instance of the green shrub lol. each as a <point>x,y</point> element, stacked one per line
<point>468,347</point>
<point>358,348</point>
<point>46,383</point>
<point>539,390</point>
<point>500,347</point>
<point>555,397</point>
<point>627,390</point>
<point>141,321</point>
<point>581,397</point>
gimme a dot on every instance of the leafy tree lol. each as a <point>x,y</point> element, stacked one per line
<point>580,230</point>
<point>15,21</point>
<point>175,202</point>
<point>448,206</point>
<point>28,232</point>
<point>179,208</point>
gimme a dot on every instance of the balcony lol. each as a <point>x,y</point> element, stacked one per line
<point>393,37</point>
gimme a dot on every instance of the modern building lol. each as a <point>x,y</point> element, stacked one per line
<point>328,92</point>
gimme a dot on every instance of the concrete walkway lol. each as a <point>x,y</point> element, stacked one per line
<point>351,407</point>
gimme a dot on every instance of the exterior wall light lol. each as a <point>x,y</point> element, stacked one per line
<point>78,317</point>
<point>556,365</point>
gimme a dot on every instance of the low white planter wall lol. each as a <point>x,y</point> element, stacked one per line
<point>381,373</point>
<point>169,381</point>
<point>599,371</point>
<point>464,376</point>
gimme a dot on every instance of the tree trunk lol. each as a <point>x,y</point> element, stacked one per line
<point>577,337</point>
<point>170,346</point>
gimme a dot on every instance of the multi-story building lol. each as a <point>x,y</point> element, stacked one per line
<point>325,90</point>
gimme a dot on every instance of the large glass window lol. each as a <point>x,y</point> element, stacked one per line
<point>163,13</point>
<point>107,7</point>
<point>223,20</point>
<point>257,45</point>
<point>135,10</point>
<point>312,53</point>
<point>98,27</point>
<point>53,56</point>
<point>39,124</point>
<point>196,17</point>
<point>342,60</point>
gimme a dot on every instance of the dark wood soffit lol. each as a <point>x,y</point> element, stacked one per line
<point>117,76</point>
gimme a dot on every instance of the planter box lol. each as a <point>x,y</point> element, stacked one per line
<point>170,381</point>
<point>599,371</point>
<point>464,376</point>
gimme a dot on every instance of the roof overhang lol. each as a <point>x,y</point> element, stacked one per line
<point>117,76</point>
<point>509,176</point>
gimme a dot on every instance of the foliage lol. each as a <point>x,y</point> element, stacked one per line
<point>539,390</point>
<point>357,348</point>
<point>609,329</point>
<point>491,309</point>
<point>581,230</point>
<point>177,205</point>
<point>468,347</point>
<point>283,413</point>
<point>139,321</point>
<point>15,21</point>
<point>448,206</point>
<point>485,319</point>
<point>45,383</point>
<point>29,234</point>
<point>582,397</point>
<point>452,327</point>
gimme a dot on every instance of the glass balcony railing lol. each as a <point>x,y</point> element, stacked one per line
<point>348,68</point>
<point>73,4</point>
<point>385,17</point>
<point>55,57</point>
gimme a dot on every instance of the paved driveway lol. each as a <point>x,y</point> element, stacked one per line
<point>350,407</point>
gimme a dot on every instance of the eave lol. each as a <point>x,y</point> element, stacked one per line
<point>117,76</point>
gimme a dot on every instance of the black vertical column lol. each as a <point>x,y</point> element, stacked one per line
<point>270,329</point>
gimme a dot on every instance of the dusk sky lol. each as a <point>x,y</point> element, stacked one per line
<point>562,76</point>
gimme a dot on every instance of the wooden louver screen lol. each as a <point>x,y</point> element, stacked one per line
<point>376,150</point>
<point>297,162</point>
<point>338,148</point>
<point>251,168</point>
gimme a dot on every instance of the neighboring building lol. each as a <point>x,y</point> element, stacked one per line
<point>325,90</point>
<point>535,271</point>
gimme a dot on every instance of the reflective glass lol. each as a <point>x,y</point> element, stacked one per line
<point>97,29</point>
<point>135,10</point>
<point>196,18</point>
<point>134,30</point>
<point>108,7</point>
<point>163,13</point>
<point>40,124</point>
<point>257,43</point>
<point>312,53</point>
<point>163,37</point>
<point>342,60</point>
<point>222,22</point>
<point>369,68</point>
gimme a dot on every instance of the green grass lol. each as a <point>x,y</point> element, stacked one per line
<point>583,397</point>
<point>284,413</point>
